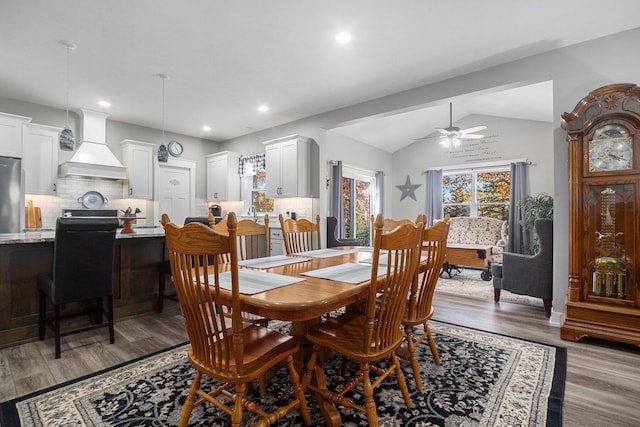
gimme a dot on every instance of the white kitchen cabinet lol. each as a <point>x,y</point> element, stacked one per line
<point>11,134</point>
<point>276,241</point>
<point>292,167</point>
<point>223,180</point>
<point>40,158</point>
<point>137,157</point>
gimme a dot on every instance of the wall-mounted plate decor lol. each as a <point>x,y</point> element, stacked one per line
<point>92,200</point>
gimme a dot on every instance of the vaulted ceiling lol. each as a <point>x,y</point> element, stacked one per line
<point>225,59</point>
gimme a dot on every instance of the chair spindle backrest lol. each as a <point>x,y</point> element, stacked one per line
<point>204,305</point>
<point>434,248</point>
<point>387,298</point>
<point>252,238</point>
<point>300,235</point>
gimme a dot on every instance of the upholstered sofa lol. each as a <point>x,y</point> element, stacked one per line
<point>479,231</point>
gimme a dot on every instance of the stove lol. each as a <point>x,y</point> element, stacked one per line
<point>91,213</point>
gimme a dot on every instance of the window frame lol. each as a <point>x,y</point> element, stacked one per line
<point>474,204</point>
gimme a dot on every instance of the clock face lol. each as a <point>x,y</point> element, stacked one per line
<point>611,149</point>
<point>175,148</point>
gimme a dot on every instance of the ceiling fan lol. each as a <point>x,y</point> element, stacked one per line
<point>453,135</point>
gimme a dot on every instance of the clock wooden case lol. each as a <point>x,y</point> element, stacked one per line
<point>603,134</point>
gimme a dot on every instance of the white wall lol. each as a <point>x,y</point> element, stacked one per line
<point>355,153</point>
<point>513,139</point>
<point>575,71</point>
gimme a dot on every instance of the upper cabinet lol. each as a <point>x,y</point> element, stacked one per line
<point>137,157</point>
<point>292,167</point>
<point>40,158</point>
<point>11,134</point>
<point>223,180</point>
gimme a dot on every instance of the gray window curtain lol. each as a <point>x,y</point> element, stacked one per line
<point>517,239</point>
<point>337,204</point>
<point>434,196</point>
<point>379,204</point>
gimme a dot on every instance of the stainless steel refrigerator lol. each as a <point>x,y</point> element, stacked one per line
<point>11,195</point>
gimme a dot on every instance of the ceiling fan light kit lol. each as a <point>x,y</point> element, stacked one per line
<point>453,135</point>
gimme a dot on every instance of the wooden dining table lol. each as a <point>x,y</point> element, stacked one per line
<point>304,303</point>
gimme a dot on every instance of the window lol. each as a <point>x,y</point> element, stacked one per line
<point>477,193</point>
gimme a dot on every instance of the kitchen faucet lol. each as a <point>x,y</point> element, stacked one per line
<point>252,210</point>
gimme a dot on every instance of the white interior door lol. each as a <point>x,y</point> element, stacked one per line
<point>175,189</point>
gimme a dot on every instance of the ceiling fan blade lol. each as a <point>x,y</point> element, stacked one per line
<point>471,136</point>
<point>443,131</point>
<point>474,129</point>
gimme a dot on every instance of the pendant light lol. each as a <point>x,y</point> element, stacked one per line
<point>67,141</point>
<point>163,153</point>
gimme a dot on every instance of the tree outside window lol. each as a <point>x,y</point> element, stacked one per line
<point>477,193</point>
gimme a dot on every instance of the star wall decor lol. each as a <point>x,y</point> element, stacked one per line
<point>408,189</point>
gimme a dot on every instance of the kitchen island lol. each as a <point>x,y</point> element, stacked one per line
<point>24,255</point>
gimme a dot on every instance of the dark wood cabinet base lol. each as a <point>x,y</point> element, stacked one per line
<point>135,283</point>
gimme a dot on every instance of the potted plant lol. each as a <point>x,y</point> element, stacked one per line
<point>532,208</point>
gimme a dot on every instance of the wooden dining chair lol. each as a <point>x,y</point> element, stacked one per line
<point>300,235</point>
<point>253,238</point>
<point>252,242</point>
<point>390,223</point>
<point>375,334</point>
<point>163,267</point>
<point>229,351</point>
<point>419,308</point>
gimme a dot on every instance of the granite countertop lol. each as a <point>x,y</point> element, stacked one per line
<point>48,235</point>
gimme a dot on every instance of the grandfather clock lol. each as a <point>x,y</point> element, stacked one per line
<point>603,133</point>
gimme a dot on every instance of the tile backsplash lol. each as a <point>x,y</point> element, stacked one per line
<point>71,189</point>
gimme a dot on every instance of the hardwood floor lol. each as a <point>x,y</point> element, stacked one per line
<point>602,386</point>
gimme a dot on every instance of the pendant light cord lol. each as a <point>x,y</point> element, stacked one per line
<point>163,80</point>
<point>67,100</point>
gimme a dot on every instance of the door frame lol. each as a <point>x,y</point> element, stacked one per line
<point>189,165</point>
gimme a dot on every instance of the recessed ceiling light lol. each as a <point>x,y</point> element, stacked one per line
<point>343,37</point>
<point>263,108</point>
<point>104,104</point>
<point>206,128</point>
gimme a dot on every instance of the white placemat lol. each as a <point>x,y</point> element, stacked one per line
<point>348,273</point>
<point>271,261</point>
<point>327,253</point>
<point>254,281</point>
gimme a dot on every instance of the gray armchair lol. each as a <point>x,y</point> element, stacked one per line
<point>530,275</point>
<point>332,239</point>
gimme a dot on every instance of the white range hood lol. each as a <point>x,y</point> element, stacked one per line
<point>93,158</point>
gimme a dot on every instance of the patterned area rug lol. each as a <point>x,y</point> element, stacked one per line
<point>469,283</point>
<point>484,380</point>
